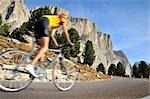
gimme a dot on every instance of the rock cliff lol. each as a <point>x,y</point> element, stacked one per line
<point>14,13</point>
<point>102,44</point>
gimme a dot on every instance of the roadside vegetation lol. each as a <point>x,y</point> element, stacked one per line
<point>142,70</point>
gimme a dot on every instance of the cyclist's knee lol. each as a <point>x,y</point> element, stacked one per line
<point>44,49</point>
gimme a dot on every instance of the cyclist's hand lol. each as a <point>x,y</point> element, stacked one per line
<point>72,44</point>
<point>58,46</point>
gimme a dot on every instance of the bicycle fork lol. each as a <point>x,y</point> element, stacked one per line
<point>62,66</point>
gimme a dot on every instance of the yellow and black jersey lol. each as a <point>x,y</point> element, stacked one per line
<point>55,21</point>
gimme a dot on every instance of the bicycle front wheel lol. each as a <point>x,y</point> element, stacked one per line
<point>13,77</point>
<point>65,75</point>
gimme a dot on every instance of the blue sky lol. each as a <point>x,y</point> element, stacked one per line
<point>125,20</point>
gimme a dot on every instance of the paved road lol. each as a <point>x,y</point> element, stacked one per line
<point>117,88</point>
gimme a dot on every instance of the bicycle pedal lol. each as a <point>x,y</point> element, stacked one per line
<point>10,78</point>
<point>64,72</point>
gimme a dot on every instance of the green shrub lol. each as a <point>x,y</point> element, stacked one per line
<point>4,30</point>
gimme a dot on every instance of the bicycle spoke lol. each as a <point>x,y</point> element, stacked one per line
<point>12,75</point>
<point>64,81</point>
<point>10,85</point>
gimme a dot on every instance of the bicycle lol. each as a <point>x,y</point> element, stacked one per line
<point>13,76</point>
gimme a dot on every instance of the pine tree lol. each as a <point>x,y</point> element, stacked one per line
<point>112,70</point>
<point>120,70</point>
<point>89,56</point>
<point>135,71</point>
<point>147,72</point>
<point>74,36</point>
<point>142,68</point>
<point>100,68</point>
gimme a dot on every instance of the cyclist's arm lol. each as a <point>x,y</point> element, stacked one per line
<point>53,37</point>
<point>64,26</point>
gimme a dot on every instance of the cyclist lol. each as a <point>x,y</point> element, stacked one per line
<point>44,24</point>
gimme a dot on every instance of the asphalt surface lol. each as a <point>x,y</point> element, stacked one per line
<point>116,88</point>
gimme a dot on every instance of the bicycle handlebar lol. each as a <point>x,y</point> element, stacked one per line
<point>31,33</point>
<point>59,49</point>
<point>64,45</point>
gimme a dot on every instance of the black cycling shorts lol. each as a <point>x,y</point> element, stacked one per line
<point>41,28</point>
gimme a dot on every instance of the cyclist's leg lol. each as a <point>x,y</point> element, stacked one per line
<point>42,31</point>
<point>44,43</point>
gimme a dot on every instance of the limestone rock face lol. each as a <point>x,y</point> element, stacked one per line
<point>14,14</point>
<point>101,42</point>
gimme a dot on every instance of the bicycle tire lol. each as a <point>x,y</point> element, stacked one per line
<point>62,81</point>
<point>13,77</point>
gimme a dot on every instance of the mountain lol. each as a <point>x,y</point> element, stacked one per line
<point>87,30</point>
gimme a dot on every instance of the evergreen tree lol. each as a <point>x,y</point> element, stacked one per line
<point>135,71</point>
<point>142,68</point>
<point>120,70</point>
<point>147,72</point>
<point>89,56</point>
<point>112,70</point>
<point>62,40</point>
<point>74,36</point>
<point>100,68</point>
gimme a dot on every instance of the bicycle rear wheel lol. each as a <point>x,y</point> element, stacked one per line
<point>65,76</point>
<point>13,77</point>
